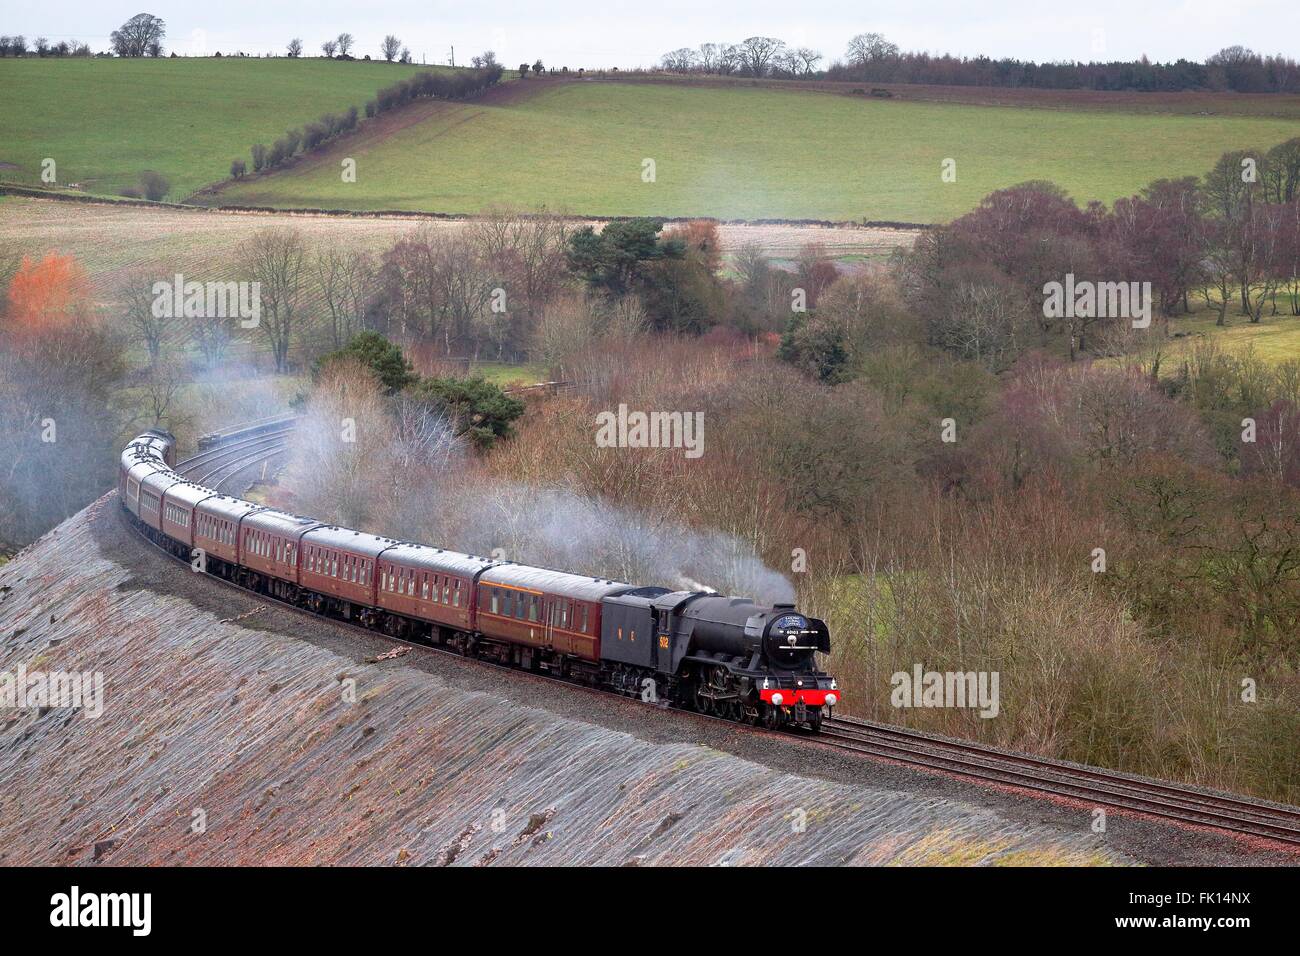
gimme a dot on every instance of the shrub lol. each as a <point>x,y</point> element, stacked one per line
<point>238,169</point>
<point>154,185</point>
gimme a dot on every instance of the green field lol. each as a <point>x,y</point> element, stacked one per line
<point>1274,339</point>
<point>103,121</point>
<point>746,153</point>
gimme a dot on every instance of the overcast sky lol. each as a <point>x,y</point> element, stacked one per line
<point>615,33</point>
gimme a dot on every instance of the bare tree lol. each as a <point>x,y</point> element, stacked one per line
<point>295,47</point>
<point>274,258</point>
<point>139,36</point>
<point>805,59</point>
<point>680,60</point>
<point>869,48</point>
<point>527,252</point>
<point>756,54</point>
<point>390,48</point>
<point>211,336</point>
<point>709,56</point>
<point>328,48</point>
<point>160,392</point>
<point>345,277</point>
<point>345,41</point>
<point>137,297</point>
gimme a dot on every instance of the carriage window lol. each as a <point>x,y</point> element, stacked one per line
<point>446,592</point>
<point>496,601</point>
<point>584,619</point>
<point>564,614</point>
<point>455,598</point>
<point>521,606</point>
<point>334,566</point>
<point>509,608</point>
<point>424,590</point>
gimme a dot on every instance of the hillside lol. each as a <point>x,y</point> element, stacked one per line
<point>741,152</point>
<point>103,121</point>
<point>219,710</point>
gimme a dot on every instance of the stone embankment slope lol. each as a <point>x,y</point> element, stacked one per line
<point>232,733</point>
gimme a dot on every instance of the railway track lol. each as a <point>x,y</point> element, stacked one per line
<point>218,465</point>
<point>1095,785</point>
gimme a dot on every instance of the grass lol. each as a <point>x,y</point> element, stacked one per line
<point>747,153</point>
<point>103,121</point>
<point>1273,339</point>
<point>499,373</point>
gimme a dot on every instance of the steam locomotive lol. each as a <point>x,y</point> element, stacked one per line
<point>724,656</point>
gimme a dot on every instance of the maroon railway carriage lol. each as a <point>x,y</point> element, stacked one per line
<point>216,526</point>
<point>340,564</point>
<point>132,476</point>
<point>429,584</point>
<point>152,489</point>
<point>150,452</point>
<point>270,545</point>
<point>545,608</point>
<point>179,503</point>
